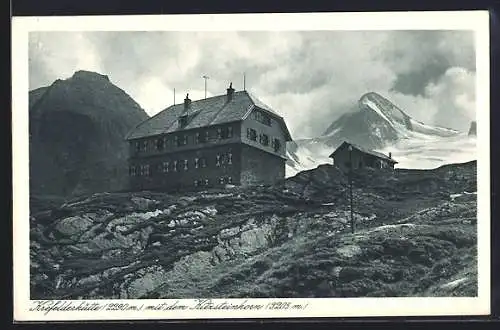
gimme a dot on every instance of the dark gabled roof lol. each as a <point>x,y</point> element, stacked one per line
<point>206,112</point>
<point>345,144</point>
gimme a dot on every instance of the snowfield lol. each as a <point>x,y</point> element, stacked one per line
<point>432,153</point>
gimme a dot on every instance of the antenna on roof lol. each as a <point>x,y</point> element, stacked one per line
<point>206,77</point>
<point>244,87</point>
<point>174,96</point>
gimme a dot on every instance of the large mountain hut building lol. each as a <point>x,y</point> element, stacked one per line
<point>227,139</point>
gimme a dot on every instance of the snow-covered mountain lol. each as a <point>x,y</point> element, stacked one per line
<point>376,123</point>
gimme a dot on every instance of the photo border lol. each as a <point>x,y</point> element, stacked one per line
<point>428,306</point>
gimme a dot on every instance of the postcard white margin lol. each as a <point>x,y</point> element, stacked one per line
<point>477,21</point>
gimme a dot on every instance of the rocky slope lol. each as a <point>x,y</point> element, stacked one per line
<point>415,236</point>
<point>77,129</point>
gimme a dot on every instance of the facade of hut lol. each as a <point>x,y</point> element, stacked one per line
<point>348,154</point>
<point>231,138</point>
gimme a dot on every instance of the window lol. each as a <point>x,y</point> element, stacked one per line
<point>203,162</point>
<point>196,183</point>
<point>159,144</point>
<point>217,162</point>
<point>132,171</point>
<point>175,166</point>
<point>219,133</point>
<point>207,136</point>
<point>221,180</point>
<point>261,117</point>
<point>184,140</point>
<point>196,163</point>
<point>230,158</point>
<point>176,141</point>
<point>144,145</point>
<point>229,179</point>
<point>197,138</point>
<point>137,146</point>
<point>145,170</point>
<point>183,120</point>
<point>264,139</point>
<point>276,144</point>
<point>251,134</point>
<point>165,167</point>
<point>229,132</point>
<point>206,182</point>
<point>185,164</point>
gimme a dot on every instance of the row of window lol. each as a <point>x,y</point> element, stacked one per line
<point>206,182</point>
<point>181,165</point>
<point>263,139</point>
<point>179,140</point>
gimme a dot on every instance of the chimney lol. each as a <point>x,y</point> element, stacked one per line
<point>230,92</point>
<point>187,103</point>
<point>390,155</point>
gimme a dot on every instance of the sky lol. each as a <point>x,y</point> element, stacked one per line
<point>309,77</point>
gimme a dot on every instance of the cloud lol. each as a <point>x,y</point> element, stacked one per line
<point>309,77</point>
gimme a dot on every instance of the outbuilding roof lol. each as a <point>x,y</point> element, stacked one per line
<point>203,113</point>
<point>380,155</point>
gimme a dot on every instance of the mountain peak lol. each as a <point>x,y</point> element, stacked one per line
<point>89,75</point>
<point>473,128</point>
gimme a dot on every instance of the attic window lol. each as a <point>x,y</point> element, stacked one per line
<point>183,120</point>
<point>262,117</point>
